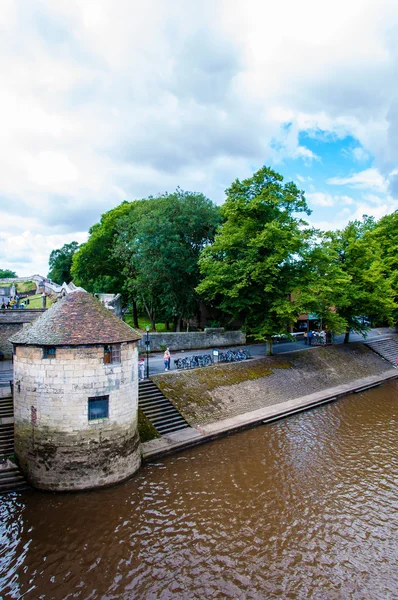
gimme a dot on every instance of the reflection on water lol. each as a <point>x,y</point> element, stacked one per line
<point>302,508</point>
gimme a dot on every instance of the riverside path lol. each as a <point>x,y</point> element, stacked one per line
<point>156,364</point>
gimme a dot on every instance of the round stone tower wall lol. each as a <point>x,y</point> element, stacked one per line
<point>57,445</point>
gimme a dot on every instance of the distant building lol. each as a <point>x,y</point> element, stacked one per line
<point>76,396</point>
<point>7,292</point>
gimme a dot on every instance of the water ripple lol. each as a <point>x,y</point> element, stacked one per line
<point>304,508</point>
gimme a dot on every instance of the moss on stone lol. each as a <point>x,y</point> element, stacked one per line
<point>145,428</point>
<point>221,391</point>
<point>189,390</point>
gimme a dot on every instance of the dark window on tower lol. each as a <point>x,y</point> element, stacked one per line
<point>98,408</point>
<point>49,352</point>
<point>112,354</point>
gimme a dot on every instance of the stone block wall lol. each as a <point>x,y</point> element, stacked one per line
<point>209,338</point>
<point>12,321</point>
<point>57,446</point>
<point>6,331</point>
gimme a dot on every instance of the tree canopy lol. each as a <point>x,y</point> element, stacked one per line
<point>159,245</point>
<point>255,262</point>
<point>7,274</point>
<point>94,265</point>
<point>60,263</point>
<point>255,259</point>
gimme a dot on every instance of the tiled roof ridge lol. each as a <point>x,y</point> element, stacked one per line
<point>77,319</point>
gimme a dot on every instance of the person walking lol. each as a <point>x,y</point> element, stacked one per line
<point>310,335</point>
<point>305,337</point>
<point>167,359</point>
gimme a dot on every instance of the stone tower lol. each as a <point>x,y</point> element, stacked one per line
<point>76,396</point>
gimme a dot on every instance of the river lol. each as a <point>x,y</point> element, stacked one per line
<point>302,508</point>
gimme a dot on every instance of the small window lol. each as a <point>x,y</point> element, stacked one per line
<point>98,408</point>
<point>112,354</point>
<point>49,352</point>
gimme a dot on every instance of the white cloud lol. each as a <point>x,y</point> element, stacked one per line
<point>370,179</point>
<point>324,199</point>
<point>320,199</point>
<point>111,100</point>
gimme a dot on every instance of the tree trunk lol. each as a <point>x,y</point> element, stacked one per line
<point>269,349</point>
<point>135,314</point>
<point>347,336</point>
<point>178,323</point>
<point>167,326</point>
<point>151,314</point>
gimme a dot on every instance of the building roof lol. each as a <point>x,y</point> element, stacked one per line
<point>76,320</point>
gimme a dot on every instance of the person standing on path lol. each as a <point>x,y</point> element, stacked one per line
<point>310,334</point>
<point>167,359</point>
<point>141,369</point>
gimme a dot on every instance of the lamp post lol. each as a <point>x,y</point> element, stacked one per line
<point>147,351</point>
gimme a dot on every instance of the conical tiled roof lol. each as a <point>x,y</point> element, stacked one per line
<point>78,319</point>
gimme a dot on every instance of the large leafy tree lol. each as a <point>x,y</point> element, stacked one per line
<point>94,266</point>
<point>256,261</point>
<point>323,282</point>
<point>60,263</point>
<point>386,235</point>
<point>7,274</point>
<point>159,245</point>
<point>367,288</point>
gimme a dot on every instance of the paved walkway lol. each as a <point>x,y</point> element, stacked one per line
<point>187,438</point>
<point>156,364</point>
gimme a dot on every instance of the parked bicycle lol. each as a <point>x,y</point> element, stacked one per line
<point>234,355</point>
<point>193,362</point>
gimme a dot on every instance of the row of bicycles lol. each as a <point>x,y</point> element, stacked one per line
<point>193,362</point>
<point>205,360</point>
<point>234,355</point>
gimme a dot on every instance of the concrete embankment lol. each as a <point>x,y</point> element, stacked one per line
<point>222,399</point>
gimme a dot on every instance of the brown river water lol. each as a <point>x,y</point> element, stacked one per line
<point>303,508</point>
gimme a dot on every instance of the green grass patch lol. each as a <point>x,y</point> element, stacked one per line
<point>37,301</point>
<point>145,428</point>
<point>143,322</point>
<point>25,286</point>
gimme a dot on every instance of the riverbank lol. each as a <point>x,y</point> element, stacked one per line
<point>226,398</point>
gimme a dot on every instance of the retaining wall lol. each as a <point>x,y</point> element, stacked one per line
<point>209,338</point>
<point>12,321</point>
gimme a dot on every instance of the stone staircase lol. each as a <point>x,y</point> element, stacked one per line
<point>386,348</point>
<point>160,411</point>
<point>10,476</point>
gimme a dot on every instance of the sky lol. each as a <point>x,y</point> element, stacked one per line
<point>109,100</point>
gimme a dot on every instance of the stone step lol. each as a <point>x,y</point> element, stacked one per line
<point>170,429</point>
<point>12,486</point>
<point>155,412</point>
<point>170,420</point>
<point>152,403</point>
<point>387,349</point>
<point>6,448</point>
<point>13,476</point>
<point>158,409</point>
<point>150,396</point>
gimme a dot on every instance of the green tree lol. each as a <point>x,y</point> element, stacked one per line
<point>386,235</point>
<point>7,274</point>
<point>323,282</point>
<point>159,245</point>
<point>367,289</point>
<point>94,265</point>
<point>60,263</point>
<point>256,261</point>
